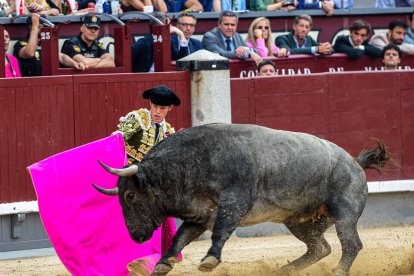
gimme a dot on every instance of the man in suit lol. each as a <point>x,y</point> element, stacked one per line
<point>225,41</point>
<point>299,42</point>
<point>186,23</point>
<point>143,50</point>
<point>355,45</point>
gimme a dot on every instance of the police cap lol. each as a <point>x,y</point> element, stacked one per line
<point>161,95</point>
<point>92,21</point>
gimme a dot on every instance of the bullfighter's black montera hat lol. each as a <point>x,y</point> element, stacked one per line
<point>161,95</point>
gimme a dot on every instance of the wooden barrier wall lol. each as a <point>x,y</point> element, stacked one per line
<point>43,116</point>
<point>345,108</point>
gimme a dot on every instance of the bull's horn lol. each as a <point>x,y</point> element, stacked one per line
<point>113,191</point>
<point>121,172</point>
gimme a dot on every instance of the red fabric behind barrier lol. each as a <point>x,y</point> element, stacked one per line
<point>345,108</point>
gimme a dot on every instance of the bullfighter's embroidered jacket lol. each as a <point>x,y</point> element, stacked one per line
<point>138,131</point>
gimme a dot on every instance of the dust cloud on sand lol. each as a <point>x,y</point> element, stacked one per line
<point>387,251</point>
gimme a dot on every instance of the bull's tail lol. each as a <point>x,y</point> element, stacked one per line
<point>373,158</point>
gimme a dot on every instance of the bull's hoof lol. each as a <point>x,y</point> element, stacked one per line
<point>340,272</point>
<point>208,264</point>
<point>162,269</point>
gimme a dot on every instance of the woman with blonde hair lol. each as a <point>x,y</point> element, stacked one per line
<point>260,39</point>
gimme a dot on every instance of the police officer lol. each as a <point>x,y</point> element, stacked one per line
<point>28,51</point>
<point>85,48</point>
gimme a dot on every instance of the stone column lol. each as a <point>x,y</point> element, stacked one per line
<point>210,87</point>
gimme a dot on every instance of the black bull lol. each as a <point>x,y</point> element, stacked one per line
<point>219,177</point>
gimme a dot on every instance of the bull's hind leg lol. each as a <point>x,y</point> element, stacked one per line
<point>350,242</point>
<point>311,233</point>
<point>185,234</point>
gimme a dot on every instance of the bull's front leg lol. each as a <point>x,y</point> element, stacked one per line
<point>185,234</point>
<point>227,220</point>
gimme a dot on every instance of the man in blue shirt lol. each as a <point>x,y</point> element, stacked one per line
<point>180,5</point>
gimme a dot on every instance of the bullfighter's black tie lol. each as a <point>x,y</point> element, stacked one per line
<point>228,41</point>
<point>157,131</point>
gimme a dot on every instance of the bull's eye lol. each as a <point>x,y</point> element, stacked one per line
<point>129,196</point>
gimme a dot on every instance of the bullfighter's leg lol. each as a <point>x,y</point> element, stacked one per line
<point>228,218</point>
<point>311,233</point>
<point>185,234</point>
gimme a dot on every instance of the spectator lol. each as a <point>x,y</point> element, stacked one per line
<point>355,45</point>
<point>225,41</point>
<point>85,48</point>
<point>259,37</point>
<point>28,51</point>
<point>391,57</point>
<point>143,50</point>
<point>186,23</point>
<point>395,35</point>
<point>138,5</point>
<point>41,7</point>
<point>11,63</point>
<point>384,4</point>
<point>273,5</point>
<point>6,9</point>
<point>327,6</point>
<point>181,5</point>
<point>266,68</point>
<point>207,5</point>
<point>229,5</point>
<point>299,42</point>
<point>409,36</point>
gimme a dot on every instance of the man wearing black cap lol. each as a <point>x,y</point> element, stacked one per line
<point>85,48</point>
<point>143,128</point>
<point>28,51</point>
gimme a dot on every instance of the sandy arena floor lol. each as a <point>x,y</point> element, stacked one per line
<point>387,251</point>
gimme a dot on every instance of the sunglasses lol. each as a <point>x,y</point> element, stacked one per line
<point>262,27</point>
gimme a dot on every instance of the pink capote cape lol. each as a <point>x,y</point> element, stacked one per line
<point>87,228</point>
